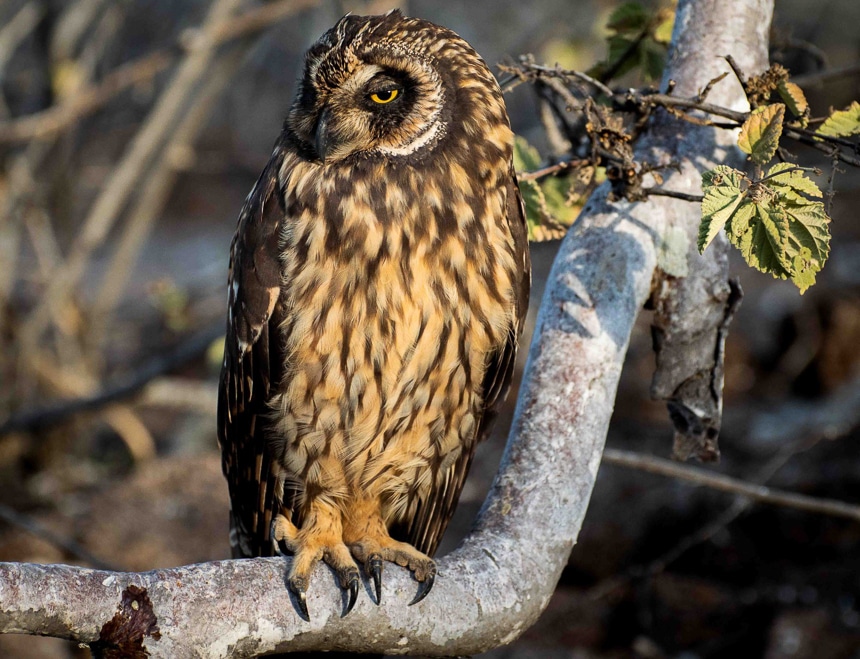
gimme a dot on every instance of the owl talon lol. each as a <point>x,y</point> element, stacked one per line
<point>375,571</point>
<point>301,599</point>
<point>353,595</point>
<point>424,587</point>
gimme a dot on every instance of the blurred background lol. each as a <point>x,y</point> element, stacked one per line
<point>130,133</point>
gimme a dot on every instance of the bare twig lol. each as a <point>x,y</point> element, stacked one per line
<point>74,549</point>
<point>811,79</point>
<point>174,392</point>
<point>737,486</point>
<point>59,117</point>
<point>661,192</point>
<point>154,367</point>
<point>702,95</point>
<point>17,29</point>
<point>530,71</point>
<point>737,70</point>
<point>90,99</point>
<point>155,190</point>
<point>150,139</point>
<point>553,169</point>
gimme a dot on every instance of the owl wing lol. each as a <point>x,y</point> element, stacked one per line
<point>424,531</point>
<point>252,364</point>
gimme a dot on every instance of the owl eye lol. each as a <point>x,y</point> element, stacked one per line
<point>384,96</point>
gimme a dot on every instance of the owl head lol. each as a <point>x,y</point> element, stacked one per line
<point>392,87</point>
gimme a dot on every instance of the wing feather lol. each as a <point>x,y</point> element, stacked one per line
<point>252,363</point>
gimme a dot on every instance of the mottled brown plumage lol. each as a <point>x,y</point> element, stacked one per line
<point>379,278</point>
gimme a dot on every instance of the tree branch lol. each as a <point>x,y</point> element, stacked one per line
<point>753,491</point>
<point>693,299</point>
<point>499,580</point>
<point>59,117</point>
<point>154,367</point>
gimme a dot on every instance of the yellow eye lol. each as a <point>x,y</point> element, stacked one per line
<point>384,96</point>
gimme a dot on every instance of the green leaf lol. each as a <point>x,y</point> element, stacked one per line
<point>526,157</point>
<point>761,132</point>
<point>722,197</point>
<point>799,197</point>
<point>804,271</point>
<point>629,17</point>
<point>794,98</point>
<point>619,48</point>
<point>762,241</point>
<point>791,180</point>
<point>652,58</point>
<point>842,123</point>
<point>779,223</point>
<point>548,208</point>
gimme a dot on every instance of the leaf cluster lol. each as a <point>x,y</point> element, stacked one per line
<point>553,202</point>
<point>638,38</point>
<point>775,215</point>
<point>778,221</point>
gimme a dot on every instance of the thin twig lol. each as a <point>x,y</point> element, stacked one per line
<point>820,77</point>
<point>147,143</point>
<point>703,94</point>
<point>19,27</point>
<point>820,144</point>
<point>155,190</point>
<point>59,117</point>
<point>553,169</point>
<point>90,99</point>
<point>660,192</point>
<point>529,70</point>
<point>736,68</point>
<point>128,386</point>
<point>75,549</point>
<point>737,486</point>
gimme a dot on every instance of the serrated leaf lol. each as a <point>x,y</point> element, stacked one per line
<point>722,197</point>
<point>799,197</point>
<point>629,17</point>
<point>791,180</point>
<point>761,132</point>
<point>794,98</point>
<point>842,123</point>
<point>762,243</point>
<point>809,229</point>
<point>803,272</point>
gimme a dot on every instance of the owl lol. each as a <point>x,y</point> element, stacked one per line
<point>379,278</point>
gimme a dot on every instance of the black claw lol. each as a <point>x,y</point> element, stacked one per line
<point>424,588</point>
<point>303,603</point>
<point>353,594</point>
<point>376,574</point>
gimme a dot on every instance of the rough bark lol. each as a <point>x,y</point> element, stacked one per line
<point>500,579</point>
<point>693,298</point>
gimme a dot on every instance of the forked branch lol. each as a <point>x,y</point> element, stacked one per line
<point>497,583</point>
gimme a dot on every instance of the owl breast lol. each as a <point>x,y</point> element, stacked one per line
<point>393,305</point>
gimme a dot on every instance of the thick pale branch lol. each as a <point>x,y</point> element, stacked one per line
<point>498,582</point>
<point>693,298</point>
